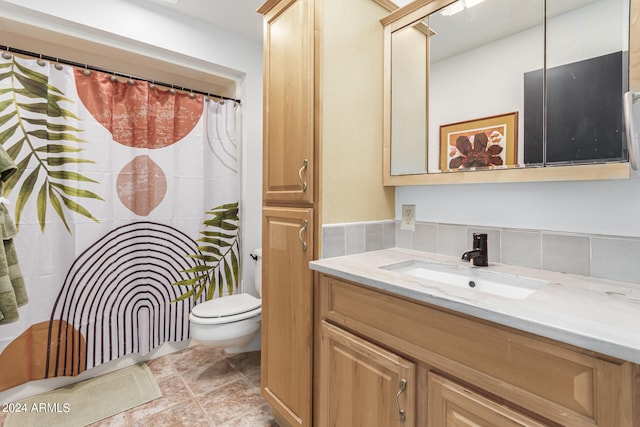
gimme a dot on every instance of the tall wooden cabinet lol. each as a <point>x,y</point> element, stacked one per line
<point>288,155</point>
<point>322,79</point>
<point>289,209</point>
<point>287,327</point>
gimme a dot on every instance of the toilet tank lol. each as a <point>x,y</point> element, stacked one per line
<point>257,281</point>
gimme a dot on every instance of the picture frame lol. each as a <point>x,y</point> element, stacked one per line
<point>497,137</point>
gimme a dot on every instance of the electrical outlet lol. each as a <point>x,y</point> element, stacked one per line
<point>408,217</point>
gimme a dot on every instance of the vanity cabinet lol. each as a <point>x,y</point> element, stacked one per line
<point>365,385</point>
<point>454,405</point>
<point>473,372</point>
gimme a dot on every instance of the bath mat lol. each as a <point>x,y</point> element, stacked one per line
<point>88,401</point>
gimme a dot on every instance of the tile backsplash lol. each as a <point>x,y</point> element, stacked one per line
<point>357,237</point>
<point>599,256</point>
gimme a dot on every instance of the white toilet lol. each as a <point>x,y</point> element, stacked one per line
<point>230,322</point>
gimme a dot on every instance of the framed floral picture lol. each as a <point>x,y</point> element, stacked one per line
<point>486,143</point>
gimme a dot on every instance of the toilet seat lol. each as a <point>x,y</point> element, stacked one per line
<point>227,309</point>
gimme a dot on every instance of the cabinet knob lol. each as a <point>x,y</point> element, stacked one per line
<point>305,165</point>
<point>402,387</point>
<point>304,227</point>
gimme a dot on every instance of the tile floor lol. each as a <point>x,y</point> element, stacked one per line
<point>201,387</point>
<point>204,387</point>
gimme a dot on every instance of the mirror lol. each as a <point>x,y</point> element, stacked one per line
<point>488,85</point>
<point>410,67</point>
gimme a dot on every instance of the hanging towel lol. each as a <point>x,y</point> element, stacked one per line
<point>13,293</point>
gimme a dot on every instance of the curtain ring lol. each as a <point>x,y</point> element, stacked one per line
<point>58,66</point>
<point>41,62</point>
<point>86,71</point>
<point>6,54</point>
<point>192,95</point>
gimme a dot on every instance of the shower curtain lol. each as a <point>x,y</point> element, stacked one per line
<point>126,202</point>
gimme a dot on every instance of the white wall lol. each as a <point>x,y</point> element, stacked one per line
<point>143,29</point>
<point>593,207</point>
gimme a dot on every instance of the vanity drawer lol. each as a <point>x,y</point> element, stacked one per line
<point>556,381</point>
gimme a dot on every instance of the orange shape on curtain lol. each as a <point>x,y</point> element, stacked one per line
<point>141,185</point>
<point>25,358</point>
<point>135,115</point>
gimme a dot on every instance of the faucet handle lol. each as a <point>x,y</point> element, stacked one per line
<point>479,240</point>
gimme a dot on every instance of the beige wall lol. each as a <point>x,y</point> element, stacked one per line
<point>351,96</point>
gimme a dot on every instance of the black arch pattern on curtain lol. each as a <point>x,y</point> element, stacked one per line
<point>117,295</point>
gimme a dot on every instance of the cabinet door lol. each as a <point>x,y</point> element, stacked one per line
<point>360,383</point>
<point>452,405</point>
<point>287,297</point>
<point>288,102</point>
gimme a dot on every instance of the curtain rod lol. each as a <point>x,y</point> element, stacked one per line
<point>114,73</point>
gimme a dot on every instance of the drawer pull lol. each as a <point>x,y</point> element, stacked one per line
<point>402,388</point>
<point>305,164</point>
<point>304,227</point>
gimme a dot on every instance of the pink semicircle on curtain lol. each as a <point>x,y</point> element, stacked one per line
<point>136,115</point>
<point>141,185</point>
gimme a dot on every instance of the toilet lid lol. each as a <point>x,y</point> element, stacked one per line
<point>230,305</point>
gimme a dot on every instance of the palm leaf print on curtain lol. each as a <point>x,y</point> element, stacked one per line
<point>220,249</point>
<point>123,195</point>
<point>219,255</point>
<point>41,142</point>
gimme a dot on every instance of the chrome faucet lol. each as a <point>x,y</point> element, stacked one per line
<point>478,256</point>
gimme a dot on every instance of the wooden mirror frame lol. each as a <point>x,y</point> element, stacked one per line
<point>418,9</point>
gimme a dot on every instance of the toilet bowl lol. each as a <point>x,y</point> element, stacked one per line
<point>230,322</point>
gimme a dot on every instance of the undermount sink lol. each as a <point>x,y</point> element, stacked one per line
<point>480,280</point>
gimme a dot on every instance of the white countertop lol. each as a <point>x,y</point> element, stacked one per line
<point>598,315</point>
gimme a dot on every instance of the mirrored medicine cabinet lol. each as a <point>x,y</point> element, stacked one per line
<point>507,90</point>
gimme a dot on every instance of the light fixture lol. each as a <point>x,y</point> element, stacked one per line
<point>453,8</point>
<point>459,6</point>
